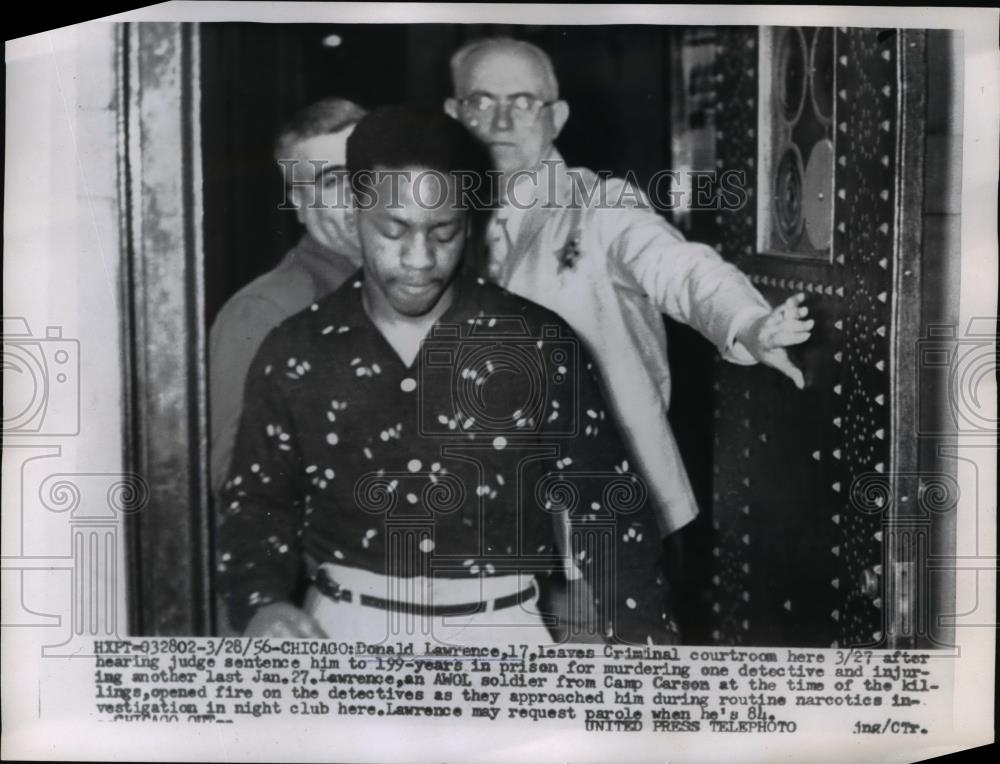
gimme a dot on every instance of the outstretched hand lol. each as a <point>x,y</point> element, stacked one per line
<point>767,337</point>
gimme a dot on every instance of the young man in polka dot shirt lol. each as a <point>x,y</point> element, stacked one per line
<point>421,445</point>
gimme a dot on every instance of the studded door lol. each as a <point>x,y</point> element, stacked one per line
<point>814,118</point>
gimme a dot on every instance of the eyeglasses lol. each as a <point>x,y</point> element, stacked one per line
<point>522,107</point>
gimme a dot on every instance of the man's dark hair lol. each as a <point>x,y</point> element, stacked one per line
<point>400,137</point>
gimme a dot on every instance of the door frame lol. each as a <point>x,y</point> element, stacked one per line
<point>169,543</point>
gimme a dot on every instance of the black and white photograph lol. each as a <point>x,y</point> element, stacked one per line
<point>799,207</point>
<point>586,371</point>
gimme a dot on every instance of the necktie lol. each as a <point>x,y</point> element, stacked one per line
<point>500,243</point>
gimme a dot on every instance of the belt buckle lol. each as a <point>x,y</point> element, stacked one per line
<point>330,588</point>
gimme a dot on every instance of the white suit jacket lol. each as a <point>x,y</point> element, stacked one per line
<point>610,273</point>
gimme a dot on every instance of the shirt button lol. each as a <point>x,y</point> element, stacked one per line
<point>408,385</point>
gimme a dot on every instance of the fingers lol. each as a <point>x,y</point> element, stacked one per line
<point>793,308</point>
<point>794,302</point>
<point>787,324</point>
<point>786,333</point>
<point>787,338</point>
<point>780,361</point>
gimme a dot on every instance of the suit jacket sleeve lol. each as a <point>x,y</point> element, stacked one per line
<point>236,335</point>
<point>688,281</point>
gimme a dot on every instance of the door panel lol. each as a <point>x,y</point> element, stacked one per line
<point>804,480</point>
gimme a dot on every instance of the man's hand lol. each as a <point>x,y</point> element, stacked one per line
<point>767,337</point>
<point>282,620</point>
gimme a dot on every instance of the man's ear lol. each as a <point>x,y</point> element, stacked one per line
<point>451,108</point>
<point>560,113</point>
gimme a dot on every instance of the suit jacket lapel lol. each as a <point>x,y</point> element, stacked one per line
<point>541,211</point>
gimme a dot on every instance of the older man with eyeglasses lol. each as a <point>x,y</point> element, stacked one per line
<point>592,250</point>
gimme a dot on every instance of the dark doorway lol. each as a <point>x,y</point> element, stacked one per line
<point>617,81</point>
<point>254,76</point>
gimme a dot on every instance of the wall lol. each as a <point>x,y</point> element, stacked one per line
<point>62,485</point>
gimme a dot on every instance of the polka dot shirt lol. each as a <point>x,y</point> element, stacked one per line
<point>492,453</point>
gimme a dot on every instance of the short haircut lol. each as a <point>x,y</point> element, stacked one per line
<point>402,137</point>
<point>329,115</point>
<point>461,57</point>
